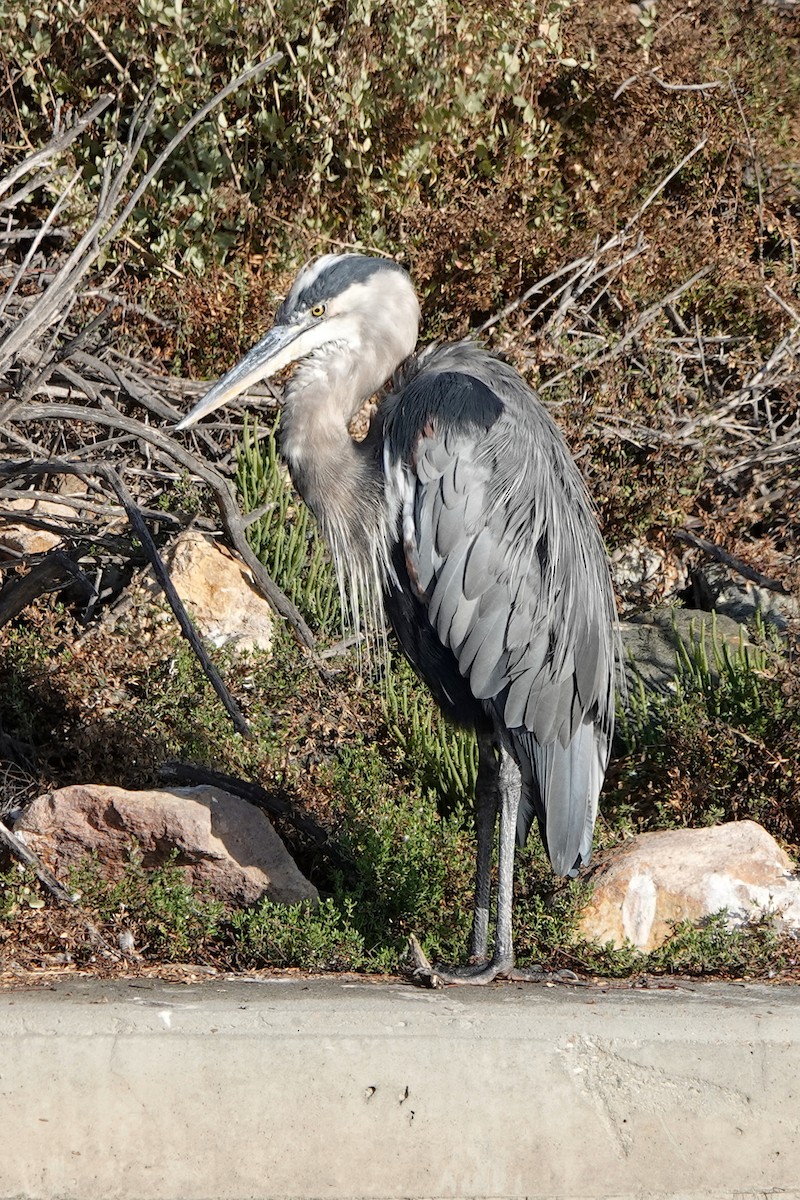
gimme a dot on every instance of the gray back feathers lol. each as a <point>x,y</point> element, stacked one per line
<point>499,531</point>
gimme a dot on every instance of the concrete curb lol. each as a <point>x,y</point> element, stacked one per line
<point>277,1089</point>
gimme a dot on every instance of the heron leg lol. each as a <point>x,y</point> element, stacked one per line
<point>508,798</point>
<point>501,780</point>
<point>486,797</point>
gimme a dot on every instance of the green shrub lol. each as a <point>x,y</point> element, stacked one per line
<point>696,949</point>
<point>724,746</point>
<point>370,105</point>
<point>319,937</point>
<point>413,865</point>
<point>19,889</point>
<point>436,754</point>
<point>168,920</point>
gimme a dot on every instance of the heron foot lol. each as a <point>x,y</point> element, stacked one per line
<point>434,975</point>
<point>488,972</point>
<point>475,973</point>
<point>423,971</point>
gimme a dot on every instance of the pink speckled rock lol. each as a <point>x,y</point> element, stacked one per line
<point>225,845</point>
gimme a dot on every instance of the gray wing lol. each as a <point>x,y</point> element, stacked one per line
<point>501,541</point>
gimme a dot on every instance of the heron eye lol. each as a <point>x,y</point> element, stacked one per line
<point>318,310</point>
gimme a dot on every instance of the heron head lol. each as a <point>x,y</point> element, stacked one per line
<point>362,311</point>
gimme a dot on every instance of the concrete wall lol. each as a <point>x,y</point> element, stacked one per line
<point>143,1091</point>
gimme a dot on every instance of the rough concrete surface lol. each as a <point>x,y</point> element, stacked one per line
<point>277,1089</point>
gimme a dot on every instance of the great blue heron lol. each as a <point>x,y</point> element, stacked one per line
<point>463,517</point>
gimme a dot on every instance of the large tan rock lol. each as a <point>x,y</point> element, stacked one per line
<point>656,879</point>
<point>218,592</point>
<point>24,538</point>
<point>226,845</point>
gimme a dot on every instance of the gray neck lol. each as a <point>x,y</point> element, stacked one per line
<point>340,480</point>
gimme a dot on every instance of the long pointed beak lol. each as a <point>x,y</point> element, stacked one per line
<point>267,357</point>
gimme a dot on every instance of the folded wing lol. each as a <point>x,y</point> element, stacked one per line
<point>500,541</point>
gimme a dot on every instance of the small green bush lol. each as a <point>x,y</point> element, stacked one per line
<point>436,754</point>
<point>370,105</point>
<point>319,937</point>
<point>19,889</point>
<point>168,920</point>
<point>724,746</point>
<point>413,865</point>
<point>708,948</point>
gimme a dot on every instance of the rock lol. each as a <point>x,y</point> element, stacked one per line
<point>217,590</point>
<point>227,846</point>
<point>643,574</point>
<point>656,879</point>
<point>23,538</point>
<point>719,588</point>
<point>650,643</point>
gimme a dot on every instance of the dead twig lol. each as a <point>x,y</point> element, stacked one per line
<point>141,530</point>
<point>57,890</point>
<point>730,560</point>
<point>686,87</point>
<point>55,146</point>
<point>123,72</point>
<point>51,574</point>
<point>585,265</point>
<point>600,356</point>
<point>229,512</point>
<point>648,315</point>
<point>26,856</point>
<point>658,189</point>
<point>532,291</point>
<point>61,291</point>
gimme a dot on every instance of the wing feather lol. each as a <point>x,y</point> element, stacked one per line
<point>449,588</point>
<point>462,621</point>
<point>448,526</point>
<point>431,459</point>
<point>488,670</point>
<point>507,550</point>
<point>451,496</point>
<point>427,559</point>
<point>481,568</point>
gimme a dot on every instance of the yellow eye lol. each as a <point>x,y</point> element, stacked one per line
<point>318,310</point>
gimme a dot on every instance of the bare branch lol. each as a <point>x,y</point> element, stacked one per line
<point>51,574</point>
<point>52,885</point>
<point>229,512</point>
<point>534,290</point>
<point>56,144</point>
<point>730,560</point>
<point>588,263</point>
<point>686,87</point>
<point>234,85</point>
<point>26,856</point>
<point>143,533</point>
<point>667,179</point>
<point>99,233</point>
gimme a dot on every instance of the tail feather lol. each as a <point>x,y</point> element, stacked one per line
<point>561,786</point>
